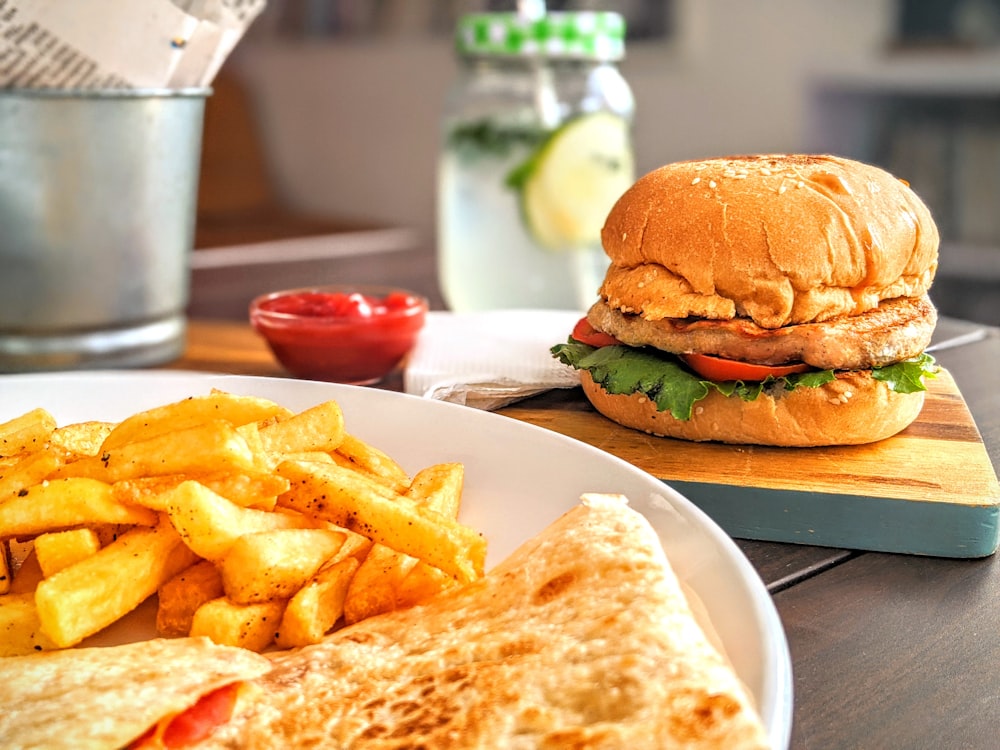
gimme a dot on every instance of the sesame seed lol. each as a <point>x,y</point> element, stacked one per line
<point>766,171</point>
<point>700,167</point>
<point>782,189</point>
<point>696,180</point>
<point>711,183</point>
<point>799,184</point>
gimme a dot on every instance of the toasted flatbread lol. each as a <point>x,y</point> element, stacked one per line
<point>582,638</point>
<point>105,698</point>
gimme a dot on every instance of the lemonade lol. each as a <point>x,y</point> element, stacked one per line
<point>537,149</point>
<point>521,213</point>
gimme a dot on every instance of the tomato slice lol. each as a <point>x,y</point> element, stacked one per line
<point>193,724</point>
<point>587,334</point>
<point>719,369</point>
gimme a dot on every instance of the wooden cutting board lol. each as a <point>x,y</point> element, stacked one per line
<point>930,490</point>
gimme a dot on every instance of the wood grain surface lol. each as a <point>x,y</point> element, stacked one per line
<point>929,490</point>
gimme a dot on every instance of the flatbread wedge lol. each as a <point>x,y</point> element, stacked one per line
<point>105,698</point>
<point>582,638</point>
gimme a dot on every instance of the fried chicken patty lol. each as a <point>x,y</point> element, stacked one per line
<point>895,330</point>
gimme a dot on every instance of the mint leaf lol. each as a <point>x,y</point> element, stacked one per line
<point>516,177</point>
<point>485,138</point>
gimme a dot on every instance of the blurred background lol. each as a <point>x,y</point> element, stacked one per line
<point>326,118</point>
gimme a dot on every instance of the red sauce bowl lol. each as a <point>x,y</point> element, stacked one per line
<point>354,334</point>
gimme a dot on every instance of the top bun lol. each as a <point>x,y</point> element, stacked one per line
<point>781,239</point>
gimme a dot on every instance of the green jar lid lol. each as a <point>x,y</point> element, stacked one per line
<point>584,35</point>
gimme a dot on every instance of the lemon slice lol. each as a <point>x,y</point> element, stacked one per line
<point>571,183</point>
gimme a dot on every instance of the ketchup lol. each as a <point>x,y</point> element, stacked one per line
<point>347,337</point>
<point>339,304</point>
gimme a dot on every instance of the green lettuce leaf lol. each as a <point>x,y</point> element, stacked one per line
<point>661,378</point>
<point>908,376</point>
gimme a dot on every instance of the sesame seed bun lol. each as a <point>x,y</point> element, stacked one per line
<point>777,239</point>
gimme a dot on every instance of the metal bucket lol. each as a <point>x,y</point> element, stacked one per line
<point>98,200</point>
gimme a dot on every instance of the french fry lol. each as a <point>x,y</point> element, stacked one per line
<point>20,628</point>
<point>26,433</point>
<point>355,545</point>
<point>314,610</point>
<point>321,457</point>
<point>109,532</point>
<point>191,412</point>
<point>247,489</point>
<point>389,580</point>
<point>60,549</point>
<point>263,461</point>
<point>6,570</point>
<point>84,598</point>
<point>28,574</point>
<point>30,469</point>
<point>250,626</point>
<point>149,492</point>
<point>64,504</point>
<point>439,487</point>
<point>81,438</point>
<point>275,564</point>
<point>360,455</point>
<point>345,498</point>
<point>319,428</point>
<point>180,597</point>
<point>421,583</point>
<point>374,585</point>
<point>250,489</point>
<point>210,524</point>
<point>205,447</point>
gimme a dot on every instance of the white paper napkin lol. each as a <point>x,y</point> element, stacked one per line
<point>490,359</point>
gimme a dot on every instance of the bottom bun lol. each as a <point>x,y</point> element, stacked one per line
<point>851,410</point>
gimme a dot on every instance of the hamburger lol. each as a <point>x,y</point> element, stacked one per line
<point>774,299</point>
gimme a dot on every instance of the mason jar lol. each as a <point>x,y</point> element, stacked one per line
<point>536,149</point>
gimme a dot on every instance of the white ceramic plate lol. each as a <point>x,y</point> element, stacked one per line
<point>519,478</point>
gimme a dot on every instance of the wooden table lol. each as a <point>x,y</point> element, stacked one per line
<point>888,651</point>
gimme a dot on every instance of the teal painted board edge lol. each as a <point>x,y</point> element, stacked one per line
<point>849,521</point>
